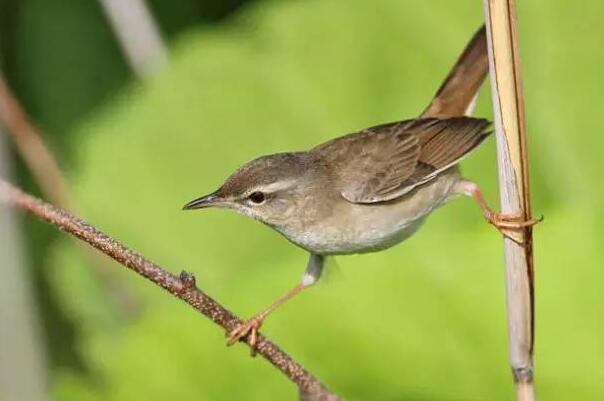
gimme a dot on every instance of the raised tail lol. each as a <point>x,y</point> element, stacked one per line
<point>456,95</point>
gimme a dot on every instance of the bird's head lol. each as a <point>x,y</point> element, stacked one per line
<point>271,188</point>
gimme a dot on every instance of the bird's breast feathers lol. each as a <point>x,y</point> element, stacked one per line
<point>360,228</point>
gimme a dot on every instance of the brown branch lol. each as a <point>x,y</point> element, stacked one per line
<point>182,286</point>
<point>38,157</point>
<point>32,148</point>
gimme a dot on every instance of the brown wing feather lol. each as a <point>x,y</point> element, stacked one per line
<point>387,161</point>
<point>373,162</point>
<point>444,141</point>
<point>443,145</point>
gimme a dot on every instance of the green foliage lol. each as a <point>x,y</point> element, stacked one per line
<point>422,321</point>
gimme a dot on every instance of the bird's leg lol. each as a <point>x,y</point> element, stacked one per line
<point>251,327</point>
<point>507,224</point>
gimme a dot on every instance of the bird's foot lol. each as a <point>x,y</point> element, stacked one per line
<point>249,328</point>
<point>510,224</point>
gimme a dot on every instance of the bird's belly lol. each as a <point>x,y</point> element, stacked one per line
<point>371,238</point>
<point>355,237</point>
<point>360,228</point>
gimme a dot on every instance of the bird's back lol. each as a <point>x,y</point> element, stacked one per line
<point>385,162</point>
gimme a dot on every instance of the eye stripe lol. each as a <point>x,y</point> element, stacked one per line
<point>275,186</point>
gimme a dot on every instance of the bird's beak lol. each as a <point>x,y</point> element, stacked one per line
<point>204,201</point>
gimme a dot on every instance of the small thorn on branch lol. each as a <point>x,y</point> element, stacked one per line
<point>188,281</point>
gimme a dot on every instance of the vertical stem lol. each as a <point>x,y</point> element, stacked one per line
<point>508,110</point>
<point>22,353</point>
<point>137,34</point>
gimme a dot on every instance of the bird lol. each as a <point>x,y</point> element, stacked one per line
<point>369,190</point>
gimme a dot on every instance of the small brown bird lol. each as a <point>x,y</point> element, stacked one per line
<point>368,190</point>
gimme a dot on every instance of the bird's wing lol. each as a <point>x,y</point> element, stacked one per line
<point>387,161</point>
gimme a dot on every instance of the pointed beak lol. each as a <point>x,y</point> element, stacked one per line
<point>204,201</point>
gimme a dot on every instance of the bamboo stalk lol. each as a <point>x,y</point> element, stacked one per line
<point>508,111</point>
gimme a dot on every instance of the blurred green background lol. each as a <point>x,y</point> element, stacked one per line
<point>425,320</point>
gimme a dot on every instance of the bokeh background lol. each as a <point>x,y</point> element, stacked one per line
<point>422,321</point>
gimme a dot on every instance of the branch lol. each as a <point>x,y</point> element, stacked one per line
<point>182,286</point>
<point>508,110</point>
<point>45,169</point>
<point>32,148</point>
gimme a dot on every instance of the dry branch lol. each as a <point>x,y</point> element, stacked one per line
<point>508,110</point>
<point>182,286</point>
<point>32,147</point>
<point>37,155</point>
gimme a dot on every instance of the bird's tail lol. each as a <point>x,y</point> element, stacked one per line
<point>456,95</point>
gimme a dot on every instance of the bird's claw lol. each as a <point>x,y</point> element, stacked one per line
<point>249,328</point>
<point>510,224</point>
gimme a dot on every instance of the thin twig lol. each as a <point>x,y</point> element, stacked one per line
<point>182,286</point>
<point>32,148</point>
<point>40,160</point>
<point>510,126</point>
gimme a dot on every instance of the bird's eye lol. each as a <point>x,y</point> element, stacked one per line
<point>257,197</point>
